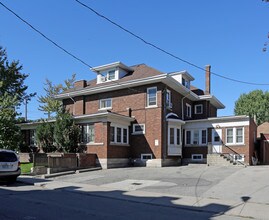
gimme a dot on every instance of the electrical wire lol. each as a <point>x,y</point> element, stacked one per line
<point>43,35</point>
<point>163,50</point>
<point>58,46</point>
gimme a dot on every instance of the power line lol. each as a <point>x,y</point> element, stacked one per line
<point>58,46</point>
<point>43,35</point>
<point>163,50</point>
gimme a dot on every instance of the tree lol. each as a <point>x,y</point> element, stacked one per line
<point>12,94</point>
<point>66,133</point>
<point>11,79</point>
<point>9,131</point>
<point>254,104</point>
<point>50,105</point>
<point>44,136</point>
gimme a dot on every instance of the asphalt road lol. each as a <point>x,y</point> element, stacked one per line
<point>20,201</point>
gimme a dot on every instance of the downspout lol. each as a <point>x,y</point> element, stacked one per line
<point>165,126</point>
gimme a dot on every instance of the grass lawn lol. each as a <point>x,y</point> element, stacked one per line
<point>26,168</point>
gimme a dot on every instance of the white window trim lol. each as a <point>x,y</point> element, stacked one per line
<point>169,102</point>
<point>88,127</point>
<point>242,157</point>
<point>188,106</point>
<point>200,137</point>
<point>151,106</point>
<point>142,155</point>
<point>115,135</point>
<point>139,132</point>
<point>104,76</point>
<point>234,136</point>
<point>175,136</point>
<point>194,155</point>
<point>101,100</point>
<point>195,109</point>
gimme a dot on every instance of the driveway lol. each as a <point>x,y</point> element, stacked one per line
<point>193,180</point>
<point>228,192</point>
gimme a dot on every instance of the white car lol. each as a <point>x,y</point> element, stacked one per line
<point>9,165</point>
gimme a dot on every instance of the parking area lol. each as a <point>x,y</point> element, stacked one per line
<point>192,180</point>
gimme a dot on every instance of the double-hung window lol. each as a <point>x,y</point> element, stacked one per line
<point>197,137</point>
<point>198,109</point>
<point>119,134</point>
<point>188,110</point>
<point>105,104</point>
<point>235,135</point>
<point>88,133</point>
<point>152,96</point>
<point>111,75</point>
<point>174,136</point>
<point>168,99</point>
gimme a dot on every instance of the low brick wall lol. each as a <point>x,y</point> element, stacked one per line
<point>57,162</point>
<point>40,160</point>
<point>86,160</point>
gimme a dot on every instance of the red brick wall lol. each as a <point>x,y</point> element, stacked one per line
<point>245,149</point>
<point>79,106</point>
<point>119,151</point>
<point>188,151</point>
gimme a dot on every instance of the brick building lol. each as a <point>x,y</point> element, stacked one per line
<point>139,114</point>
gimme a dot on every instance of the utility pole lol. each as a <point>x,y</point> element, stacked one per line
<point>26,99</point>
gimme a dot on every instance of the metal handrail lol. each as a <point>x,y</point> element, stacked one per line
<point>237,161</point>
<point>211,148</point>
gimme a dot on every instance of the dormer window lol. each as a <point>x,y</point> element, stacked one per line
<point>111,72</point>
<point>111,75</point>
<point>186,83</point>
<point>108,76</point>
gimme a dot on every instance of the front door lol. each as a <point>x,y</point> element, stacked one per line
<point>216,140</point>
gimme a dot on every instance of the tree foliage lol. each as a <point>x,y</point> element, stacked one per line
<point>11,79</point>
<point>254,104</point>
<point>49,105</point>
<point>62,135</point>
<point>12,94</point>
<point>44,136</point>
<point>66,133</point>
<point>9,131</point>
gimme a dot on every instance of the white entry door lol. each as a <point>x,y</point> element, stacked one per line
<point>216,140</point>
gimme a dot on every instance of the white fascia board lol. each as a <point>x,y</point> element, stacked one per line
<point>212,100</point>
<point>113,86</point>
<point>110,66</point>
<point>33,125</point>
<point>184,72</point>
<point>104,117</point>
<point>176,121</point>
<point>226,121</point>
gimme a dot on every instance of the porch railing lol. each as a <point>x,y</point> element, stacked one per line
<point>230,156</point>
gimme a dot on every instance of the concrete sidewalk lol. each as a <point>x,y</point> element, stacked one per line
<point>228,207</point>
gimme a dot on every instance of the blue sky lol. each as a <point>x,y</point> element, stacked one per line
<point>229,35</point>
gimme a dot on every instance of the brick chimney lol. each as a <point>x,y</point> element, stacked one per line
<point>80,84</point>
<point>207,79</point>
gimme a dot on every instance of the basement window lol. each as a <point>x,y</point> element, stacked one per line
<point>146,156</point>
<point>197,157</point>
